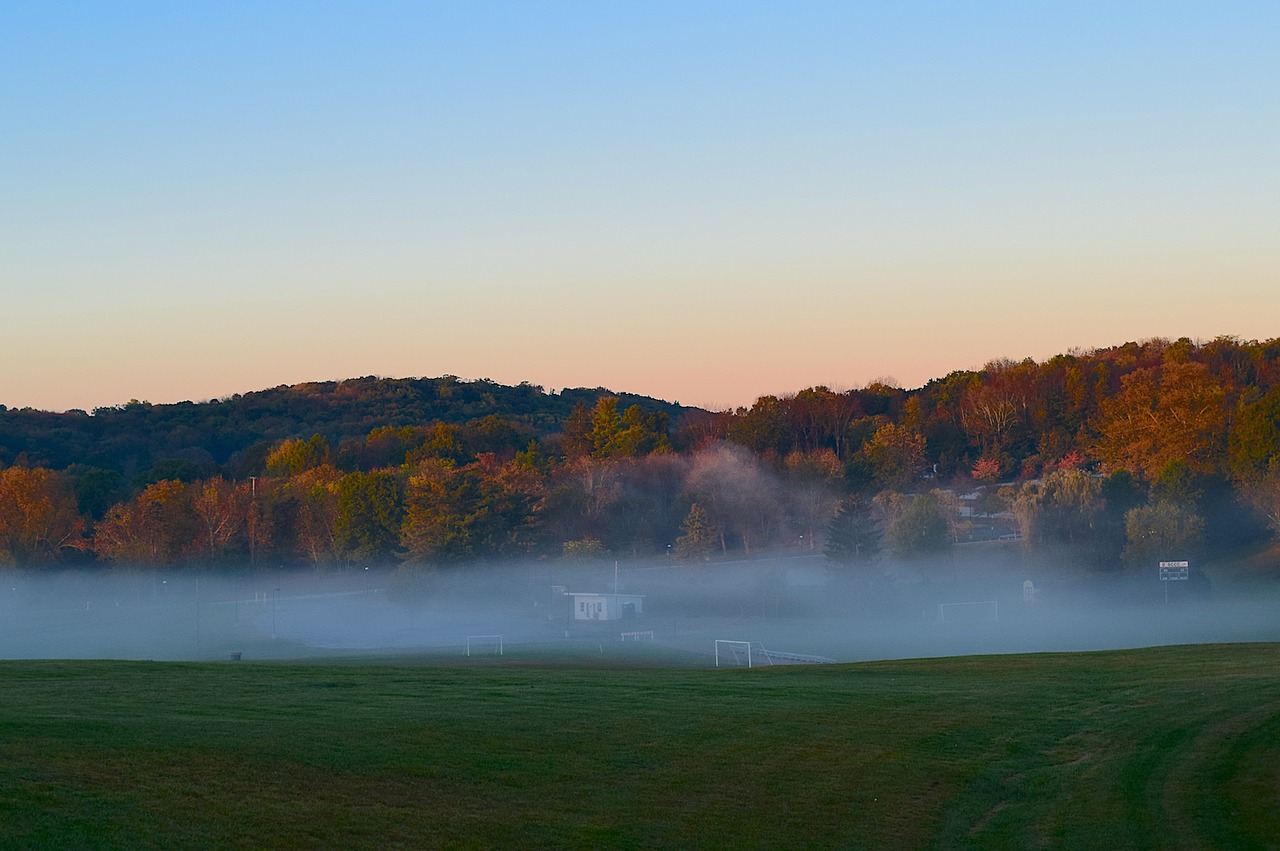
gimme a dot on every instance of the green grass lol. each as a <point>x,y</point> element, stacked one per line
<point>1162,748</point>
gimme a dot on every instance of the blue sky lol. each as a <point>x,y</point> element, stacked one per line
<point>705,202</point>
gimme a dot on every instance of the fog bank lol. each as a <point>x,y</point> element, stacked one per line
<point>797,605</point>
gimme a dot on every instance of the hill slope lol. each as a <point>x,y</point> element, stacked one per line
<point>129,436</point>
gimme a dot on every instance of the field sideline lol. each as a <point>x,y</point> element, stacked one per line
<point>1157,748</point>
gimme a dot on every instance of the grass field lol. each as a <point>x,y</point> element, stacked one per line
<point>1173,747</point>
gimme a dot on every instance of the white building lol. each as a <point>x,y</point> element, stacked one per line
<point>605,607</point>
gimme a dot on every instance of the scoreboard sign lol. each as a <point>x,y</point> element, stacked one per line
<point>1174,570</point>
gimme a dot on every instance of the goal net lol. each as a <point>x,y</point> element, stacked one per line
<point>489,645</point>
<point>981,612</point>
<point>740,654</point>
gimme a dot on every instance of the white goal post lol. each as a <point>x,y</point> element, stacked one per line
<point>736,653</point>
<point>982,611</point>
<point>493,641</point>
<point>748,654</point>
<point>735,650</point>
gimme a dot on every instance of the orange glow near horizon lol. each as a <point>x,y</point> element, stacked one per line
<point>199,200</point>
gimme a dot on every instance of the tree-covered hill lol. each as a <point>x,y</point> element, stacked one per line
<point>1124,456</point>
<point>131,438</point>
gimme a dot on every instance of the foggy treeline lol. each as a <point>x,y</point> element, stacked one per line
<point>1122,455</point>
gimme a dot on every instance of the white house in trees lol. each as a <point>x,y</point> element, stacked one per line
<point>605,607</point>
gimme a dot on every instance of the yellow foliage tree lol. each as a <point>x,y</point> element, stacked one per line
<point>38,516</point>
<point>1163,414</point>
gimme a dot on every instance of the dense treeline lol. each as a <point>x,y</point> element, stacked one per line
<point>1121,455</point>
<point>233,435</point>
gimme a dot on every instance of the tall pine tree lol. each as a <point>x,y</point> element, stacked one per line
<point>699,537</point>
<point>854,534</point>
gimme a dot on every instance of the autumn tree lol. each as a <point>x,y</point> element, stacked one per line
<point>385,446</point>
<point>1163,531</point>
<point>738,496</point>
<point>585,490</point>
<point>576,439</point>
<point>482,510</point>
<point>995,406</point>
<point>1061,508</point>
<point>629,434</point>
<point>443,441</point>
<point>39,519</point>
<point>294,456</point>
<point>820,419</point>
<point>221,512</point>
<point>310,506</point>
<point>440,500</point>
<point>259,533</point>
<point>920,528</point>
<point>367,525</point>
<point>606,422</point>
<point>155,527</point>
<point>986,469</point>
<point>764,428</point>
<point>512,494</point>
<point>1160,415</point>
<point>896,455</point>
<point>946,442</point>
<point>587,549</point>
<point>496,436</point>
<point>813,482</point>
<point>643,433</point>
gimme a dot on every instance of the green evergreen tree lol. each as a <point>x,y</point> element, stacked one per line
<point>699,537</point>
<point>1177,484</point>
<point>854,536</point>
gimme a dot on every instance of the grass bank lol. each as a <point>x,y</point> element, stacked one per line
<point>1160,748</point>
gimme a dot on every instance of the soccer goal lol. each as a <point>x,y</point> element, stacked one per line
<point>740,654</point>
<point>480,642</point>
<point>733,653</point>
<point>638,635</point>
<point>980,612</point>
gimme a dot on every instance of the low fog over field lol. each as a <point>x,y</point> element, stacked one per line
<point>796,604</point>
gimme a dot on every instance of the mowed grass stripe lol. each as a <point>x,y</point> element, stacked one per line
<point>1169,747</point>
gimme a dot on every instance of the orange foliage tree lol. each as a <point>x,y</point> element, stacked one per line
<point>155,527</point>
<point>38,516</point>
<point>1177,412</point>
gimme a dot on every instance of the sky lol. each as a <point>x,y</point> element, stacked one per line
<point>704,202</point>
